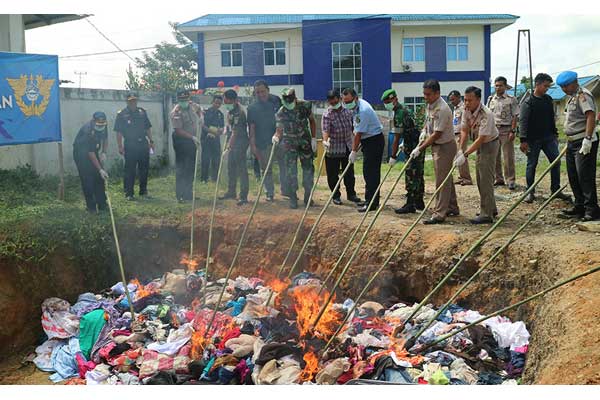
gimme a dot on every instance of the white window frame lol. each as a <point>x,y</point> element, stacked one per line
<point>357,84</point>
<point>231,50</point>
<point>413,102</point>
<point>411,43</point>
<point>274,47</point>
<point>458,42</point>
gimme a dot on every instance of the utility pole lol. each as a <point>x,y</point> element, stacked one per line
<point>80,73</point>
<point>527,33</point>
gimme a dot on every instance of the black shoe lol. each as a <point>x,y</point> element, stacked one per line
<point>227,196</point>
<point>362,203</point>
<point>354,198</point>
<point>242,202</point>
<point>495,214</point>
<point>366,206</point>
<point>499,183</point>
<point>530,198</point>
<point>563,196</point>
<point>591,216</point>
<point>481,220</point>
<point>512,186</point>
<point>406,209</point>
<point>452,214</point>
<point>433,221</point>
<point>270,198</point>
<point>574,212</point>
<point>293,203</point>
<point>420,206</point>
<point>337,201</point>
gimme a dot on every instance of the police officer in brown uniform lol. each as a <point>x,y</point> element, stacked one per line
<point>506,113</point>
<point>582,147</point>
<point>439,135</point>
<point>478,120</point>
<point>464,173</point>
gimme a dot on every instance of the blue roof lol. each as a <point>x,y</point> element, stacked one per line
<point>257,19</point>
<point>554,91</point>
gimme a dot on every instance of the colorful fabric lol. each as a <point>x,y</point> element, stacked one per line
<point>338,124</point>
<point>153,362</point>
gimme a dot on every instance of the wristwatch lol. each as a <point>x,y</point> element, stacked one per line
<point>513,130</point>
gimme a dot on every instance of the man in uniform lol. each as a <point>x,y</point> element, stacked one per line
<point>506,113</point>
<point>210,139</point>
<point>133,127</point>
<point>185,143</point>
<point>336,127</point>
<point>261,123</point>
<point>582,147</point>
<point>478,121</point>
<point>404,126</point>
<point>464,173</point>
<point>438,133</point>
<point>91,138</point>
<point>237,166</point>
<point>368,134</point>
<point>297,129</point>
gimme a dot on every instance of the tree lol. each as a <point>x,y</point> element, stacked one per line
<point>168,68</point>
<point>525,81</point>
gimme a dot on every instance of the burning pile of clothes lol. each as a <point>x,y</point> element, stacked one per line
<point>176,337</point>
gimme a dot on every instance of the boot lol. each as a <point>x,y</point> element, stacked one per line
<point>406,209</point>
<point>293,202</point>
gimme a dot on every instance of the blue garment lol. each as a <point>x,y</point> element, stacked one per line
<point>63,360</point>
<point>550,148</point>
<point>566,77</point>
<point>366,121</point>
<point>238,306</point>
<point>397,376</point>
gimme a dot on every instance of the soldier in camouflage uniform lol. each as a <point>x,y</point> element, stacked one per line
<point>296,129</point>
<point>404,126</point>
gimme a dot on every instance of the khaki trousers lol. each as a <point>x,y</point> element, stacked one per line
<point>506,153</point>
<point>486,161</point>
<point>464,173</point>
<point>443,159</point>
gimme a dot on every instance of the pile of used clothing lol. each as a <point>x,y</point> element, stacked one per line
<point>96,340</point>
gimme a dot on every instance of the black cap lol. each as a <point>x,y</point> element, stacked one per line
<point>99,118</point>
<point>132,96</point>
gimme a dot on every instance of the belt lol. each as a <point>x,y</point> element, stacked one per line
<point>577,136</point>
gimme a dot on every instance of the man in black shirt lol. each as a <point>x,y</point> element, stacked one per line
<point>538,133</point>
<point>91,138</point>
<point>133,125</point>
<point>212,129</point>
<point>261,121</point>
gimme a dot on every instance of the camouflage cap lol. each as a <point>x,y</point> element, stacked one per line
<point>387,94</point>
<point>288,92</point>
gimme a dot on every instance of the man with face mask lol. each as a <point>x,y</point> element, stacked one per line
<point>210,139</point>
<point>582,147</point>
<point>237,166</point>
<point>297,130</point>
<point>92,137</point>
<point>336,126</point>
<point>185,143</point>
<point>133,126</point>
<point>404,127</point>
<point>261,124</point>
<point>368,134</point>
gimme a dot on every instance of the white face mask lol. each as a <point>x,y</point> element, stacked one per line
<point>350,106</point>
<point>389,106</point>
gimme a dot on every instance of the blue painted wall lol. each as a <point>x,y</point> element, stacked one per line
<point>374,34</point>
<point>435,54</point>
<point>201,67</point>
<point>487,42</point>
<point>253,60</point>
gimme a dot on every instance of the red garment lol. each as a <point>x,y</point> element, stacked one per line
<point>83,366</point>
<point>423,381</point>
<point>235,332</point>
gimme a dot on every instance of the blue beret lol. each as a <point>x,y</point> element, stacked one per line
<point>566,77</point>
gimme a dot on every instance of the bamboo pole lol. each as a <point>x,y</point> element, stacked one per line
<point>194,202</point>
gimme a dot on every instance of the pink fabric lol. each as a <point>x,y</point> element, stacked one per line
<point>83,366</point>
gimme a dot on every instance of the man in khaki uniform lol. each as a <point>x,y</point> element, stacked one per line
<point>582,147</point>
<point>439,134</point>
<point>464,174</point>
<point>478,120</point>
<point>506,114</point>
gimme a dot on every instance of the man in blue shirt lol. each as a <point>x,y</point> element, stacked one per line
<point>368,134</point>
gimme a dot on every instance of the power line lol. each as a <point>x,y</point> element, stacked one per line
<point>108,39</point>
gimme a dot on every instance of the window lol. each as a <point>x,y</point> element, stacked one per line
<point>347,65</point>
<point>413,49</point>
<point>274,53</point>
<point>457,48</point>
<point>231,54</point>
<point>414,102</point>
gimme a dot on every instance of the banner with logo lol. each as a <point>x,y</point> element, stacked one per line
<point>29,99</point>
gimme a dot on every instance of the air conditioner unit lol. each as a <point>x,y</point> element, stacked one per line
<point>406,67</point>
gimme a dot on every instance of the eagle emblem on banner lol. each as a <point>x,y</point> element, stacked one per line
<point>32,94</point>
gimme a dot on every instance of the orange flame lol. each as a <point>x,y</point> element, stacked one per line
<point>191,263</point>
<point>141,291</point>
<point>311,368</point>
<point>307,304</point>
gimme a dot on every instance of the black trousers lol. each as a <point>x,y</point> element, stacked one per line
<point>372,148</point>
<point>137,161</point>
<point>581,170</point>
<point>92,183</point>
<point>335,166</point>
<point>211,153</point>
<point>185,161</point>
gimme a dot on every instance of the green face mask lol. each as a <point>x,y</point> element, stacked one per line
<point>350,106</point>
<point>389,106</point>
<point>184,104</point>
<point>228,107</point>
<point>289,106</point>
<point>337,106</point>
<point>99,128</point>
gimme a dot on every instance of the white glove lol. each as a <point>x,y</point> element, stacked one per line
<point>586,146</point>
<point>352,157</point>
<point>196,140</point>
<point>275,140</point>
<point>103,174</point>
<point>313,144</point>
<point>415,153</point>
<point>391,161</point>
<point>102,157</point>
<point>423,137</point>
<point>326,144</point>
<point>460,158</point>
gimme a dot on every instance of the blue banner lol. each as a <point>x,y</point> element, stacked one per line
<point>29,99</point>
